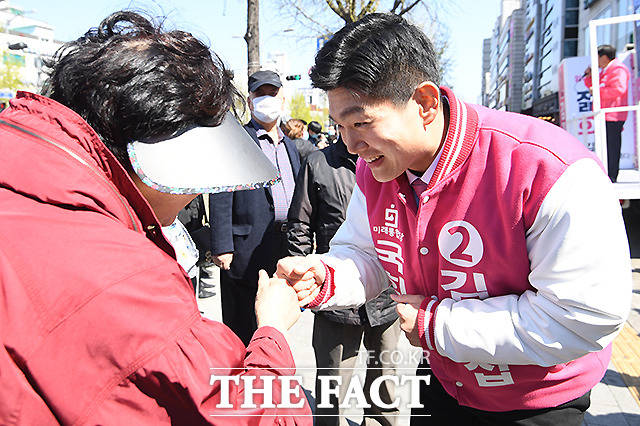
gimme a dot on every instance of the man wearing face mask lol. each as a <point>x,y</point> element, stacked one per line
<point>248,228</point>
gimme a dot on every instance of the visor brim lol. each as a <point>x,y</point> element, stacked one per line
<point>203,160</point>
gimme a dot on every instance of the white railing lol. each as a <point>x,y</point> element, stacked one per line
<point>600,133</point>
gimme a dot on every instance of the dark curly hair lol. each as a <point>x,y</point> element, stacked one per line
<point>131,80</point>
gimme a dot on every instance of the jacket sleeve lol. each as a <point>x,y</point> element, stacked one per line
<point>581,279</point>
<point>302,214</point>
<point>615,85</point>
<point>221,216</point>
<point>588,82</point>
<point>356,274</point>
<point>202,371</point>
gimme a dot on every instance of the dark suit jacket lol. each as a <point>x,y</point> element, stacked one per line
<point>242,224</point>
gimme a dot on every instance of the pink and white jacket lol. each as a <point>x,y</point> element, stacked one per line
<point>518,244</point>
<point>614,88</point>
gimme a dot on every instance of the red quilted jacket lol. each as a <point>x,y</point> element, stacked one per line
<point>98,323</point>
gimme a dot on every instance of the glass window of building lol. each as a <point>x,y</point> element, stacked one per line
<point>604,31</point>
<point>570,48</point>
<point>587,40</point>
<point>571,17</point>
<point>624,30</point>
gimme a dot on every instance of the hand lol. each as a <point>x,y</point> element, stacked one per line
<point>408,305</point>
<point>223,261</point>
<point>305,274</point>
<point>276,303</point>
<point>587,72</point>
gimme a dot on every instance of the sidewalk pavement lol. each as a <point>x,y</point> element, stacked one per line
<point>614,401</point>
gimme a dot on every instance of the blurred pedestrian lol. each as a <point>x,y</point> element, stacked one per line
<point>98,322</point>
<point>294,129</point>
<point>195,221</point>
<point>614,92</point>
<point>332,135</point>
<point>314,129</point>
<point>318,208</point>
<point>322,141</point>
<point>248,228</point>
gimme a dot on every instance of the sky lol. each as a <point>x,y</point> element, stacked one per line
<point>222,23</point>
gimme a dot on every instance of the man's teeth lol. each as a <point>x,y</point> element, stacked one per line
<point>372,159</point>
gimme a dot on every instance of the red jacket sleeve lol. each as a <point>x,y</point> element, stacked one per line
<point>175,386</point>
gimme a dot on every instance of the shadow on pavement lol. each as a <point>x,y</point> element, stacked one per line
<point>615,378</point>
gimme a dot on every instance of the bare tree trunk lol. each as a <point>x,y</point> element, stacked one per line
<point>252,37</point>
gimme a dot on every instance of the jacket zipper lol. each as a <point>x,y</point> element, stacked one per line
<point>80,160</point>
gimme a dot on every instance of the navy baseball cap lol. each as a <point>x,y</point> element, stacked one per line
<point>260,78</point>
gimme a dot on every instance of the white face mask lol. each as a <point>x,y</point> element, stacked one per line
<point>305,135</point>
<point>267,109</point>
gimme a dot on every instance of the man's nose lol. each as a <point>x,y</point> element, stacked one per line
<point>353,142</point>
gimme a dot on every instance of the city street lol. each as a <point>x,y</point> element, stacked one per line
<point>614,402</point>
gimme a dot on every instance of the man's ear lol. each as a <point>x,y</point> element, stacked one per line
<point>249,103</point>
<point>427,96</point>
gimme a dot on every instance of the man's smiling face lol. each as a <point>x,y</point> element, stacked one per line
<point>388,137</point>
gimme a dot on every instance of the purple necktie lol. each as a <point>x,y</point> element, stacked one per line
<point>418,187</point>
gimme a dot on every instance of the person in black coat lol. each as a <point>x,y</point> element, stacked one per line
<point>318,208</point>
<point>248,228</point>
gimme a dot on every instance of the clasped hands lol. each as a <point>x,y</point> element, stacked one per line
<point>306,275</point>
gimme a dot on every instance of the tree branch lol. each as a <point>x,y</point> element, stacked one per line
<point>302,12</point>
<point>396,3</point>
<point>338,9</point>
<point>408,8</point>
<point>371,7</point>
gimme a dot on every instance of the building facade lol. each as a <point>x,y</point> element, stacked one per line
<point>618,36</point>
<point>551,33</point>
<point>486,71</point>
<point>551,30</point>
<point>25,44</point>
<point>503,60</point>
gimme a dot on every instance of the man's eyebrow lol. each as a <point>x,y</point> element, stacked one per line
<point>349,111</point>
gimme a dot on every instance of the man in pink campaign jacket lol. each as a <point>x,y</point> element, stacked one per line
<point>98,322</point>
<point>500,233</point>
<point>614,90</point>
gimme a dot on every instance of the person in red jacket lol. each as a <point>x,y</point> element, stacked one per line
<point>98,322</point>
<point>614,89</point>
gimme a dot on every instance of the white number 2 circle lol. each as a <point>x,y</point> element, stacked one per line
<point>460,243</point>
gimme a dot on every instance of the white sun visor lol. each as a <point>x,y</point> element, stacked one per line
<point>203,160</point>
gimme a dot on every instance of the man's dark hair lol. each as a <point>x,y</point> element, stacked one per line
<point>608,51</point>
<point>131,80</point>
<point>381,56</point>
<point>314,127</point>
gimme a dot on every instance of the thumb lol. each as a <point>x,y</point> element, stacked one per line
<point>401,298</point>
<point>263,278</point>
<point>410,299</point>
